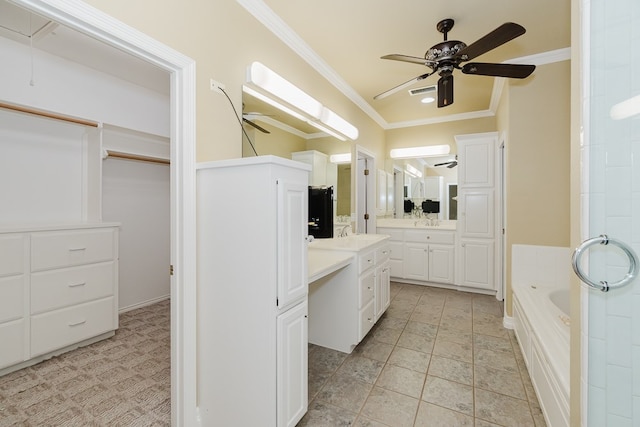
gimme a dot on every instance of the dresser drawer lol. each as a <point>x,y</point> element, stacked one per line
<point>12,339</point>
<point>11,298</point>
<point>69,248</point>
<point>11,254</point>
<point>383,253</point>
<point>367,319</point>
<point>70,286</point>
<point>366,261</point>
<point>367,288</point>
<point>56,329</point>
<point>429,236</point>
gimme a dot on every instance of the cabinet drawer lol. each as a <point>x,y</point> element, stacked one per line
<point>366,261</point>
<point>367,288</point>
<point>367,320</point>
<point>70,248</point>
<point>11,298</point>
<point>396,234</point>
<point>429,236</point>
<point>383,253</point>
<point>70,286</point>
<point>11,254</point>
<point>60,328</point>
<point>12,339</point>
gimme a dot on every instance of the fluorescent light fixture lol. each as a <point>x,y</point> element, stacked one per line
<point>336,122</point>
<point>426,151</point>
<point>626,109</point>
<point>273,103</point>
<point>413,171</point>
<point>279,87</point>
<point>326,130</point>
<point>340,158</point>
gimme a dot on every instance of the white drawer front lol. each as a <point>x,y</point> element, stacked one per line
<point>11,254</point>
<point>70,286</point>
<point>366,261</point>
<point>70,248</point>
<point>383,253</point>
<point>429,236</point>
<point>60,328</point>
<point>367,288</point>
<point>11,298</point>
<point>12,339</point>
<point>367,319</point>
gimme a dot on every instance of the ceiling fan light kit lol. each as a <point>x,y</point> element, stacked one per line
<point>444,57</point>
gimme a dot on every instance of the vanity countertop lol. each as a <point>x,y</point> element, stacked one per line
<point>352,242</point>
<point>322,262</point>
<point>413,223</point>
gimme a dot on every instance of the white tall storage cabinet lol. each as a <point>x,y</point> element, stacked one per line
<point>252,291</point>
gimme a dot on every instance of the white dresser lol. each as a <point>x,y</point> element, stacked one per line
<point>58,290</point>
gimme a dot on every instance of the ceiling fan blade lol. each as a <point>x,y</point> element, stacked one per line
<point>443,164</point>
<point>501,35</point>
<point>250,123</point>
<point>517,71</point>
<point>407,58</point>
<point>401,86</point>
<point>445,91</point>
<point>452,165</point>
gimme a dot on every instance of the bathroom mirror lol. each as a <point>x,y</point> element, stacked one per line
<point>268,130</point>
<point>438,182</point>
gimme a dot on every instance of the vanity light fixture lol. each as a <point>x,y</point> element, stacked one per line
<point>413,171</point>
<point>270,87</point>
<point>426,151</point>
<point>340,158</point>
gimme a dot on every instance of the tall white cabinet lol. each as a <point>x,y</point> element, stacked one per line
<point>252,291</point>
<point>476,210</point>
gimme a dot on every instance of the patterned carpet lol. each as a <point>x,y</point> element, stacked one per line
<point>121,381</point>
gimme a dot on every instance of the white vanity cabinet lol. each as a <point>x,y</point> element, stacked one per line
<point>58,290</point>
<point>252,291</point>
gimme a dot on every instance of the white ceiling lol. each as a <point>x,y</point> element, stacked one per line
<point>344,40</point>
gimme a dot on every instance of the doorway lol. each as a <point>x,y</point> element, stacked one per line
<point>85,19</point>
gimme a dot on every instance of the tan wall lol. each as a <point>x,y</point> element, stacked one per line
<point>223,39</point>
<point>277,143</point>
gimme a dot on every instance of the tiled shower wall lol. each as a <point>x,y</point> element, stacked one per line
<point>611,205</point>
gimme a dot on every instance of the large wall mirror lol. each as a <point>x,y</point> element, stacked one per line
<point>270,131</point>
<point>421,179</point>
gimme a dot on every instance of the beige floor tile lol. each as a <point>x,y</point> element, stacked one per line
<point>365,422</point>
<point>490,342</point>
<point>416,342</point>
<point>500,381</point>
<point>317,379</point>
<point>502,410</point>
<point>424,329</point>
<point>345,392</point>
<point>483,423</point>
<point>432,317</point>
<point>399,310</point>
<point>447,333</point>
<point>451,369</point>
<point>500,359</point>
<point>453,350</point>
<point>392,322</point>
<point>322,414</point>
<point>385,335</point>
<point>361,368</point>
<point>451,395</point>
<point>373,349</point>
<point>389,407</point>
<point>410,359</point>
<point>430,415</point>
<point>401,380</point>
<point>324,359</point>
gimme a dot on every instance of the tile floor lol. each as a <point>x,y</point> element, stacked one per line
<point>437,357</point>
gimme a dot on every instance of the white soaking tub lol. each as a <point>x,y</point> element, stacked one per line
<point>542,326</point>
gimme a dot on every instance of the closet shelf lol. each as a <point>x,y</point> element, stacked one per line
<point>138,157</point>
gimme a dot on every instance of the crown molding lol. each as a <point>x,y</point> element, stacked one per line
<point>280,29</point>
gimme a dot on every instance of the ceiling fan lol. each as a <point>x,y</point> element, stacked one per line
<point>448,55</point>
<point>450,164</point>
<point>246,118</point>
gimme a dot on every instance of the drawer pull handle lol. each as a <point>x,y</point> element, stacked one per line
<point>77,249</point>
<point>82,322</point>
<point>75,285</point>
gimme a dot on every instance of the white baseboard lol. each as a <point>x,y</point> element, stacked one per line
<point>143,304</point>
<point>508,322</point>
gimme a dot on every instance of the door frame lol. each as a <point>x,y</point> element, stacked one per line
<point>80,16</point>
<point>365,190</point>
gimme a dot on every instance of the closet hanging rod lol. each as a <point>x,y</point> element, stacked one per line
<point>128,156</point>
<point>49,115</point>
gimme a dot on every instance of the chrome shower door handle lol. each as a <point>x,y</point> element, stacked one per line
<point>603,285</point>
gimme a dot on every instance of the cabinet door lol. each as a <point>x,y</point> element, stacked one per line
<point>383,288</point>
<point>476,161</point>
<point>476,259</point>
<point>441,261</point>
<point>292,374</point>
<point>476,213</point>
<point>292,211</point>
<point>416,261</point>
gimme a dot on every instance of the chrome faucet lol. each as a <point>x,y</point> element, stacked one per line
<point>343,231</point>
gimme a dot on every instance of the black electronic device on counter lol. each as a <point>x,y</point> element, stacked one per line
<point>430,206</point>
<point>408,206</point>
<point>321,212</point>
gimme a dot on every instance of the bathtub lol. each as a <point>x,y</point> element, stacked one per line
<point>542,326</point>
